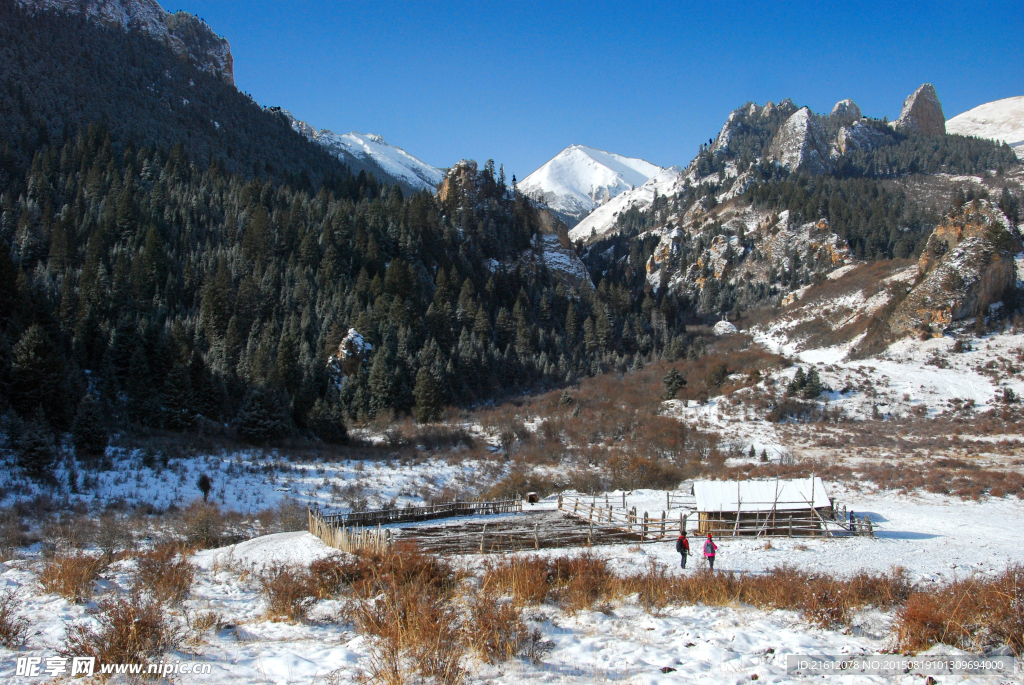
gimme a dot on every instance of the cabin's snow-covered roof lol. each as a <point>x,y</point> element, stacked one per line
<point>760,495</point>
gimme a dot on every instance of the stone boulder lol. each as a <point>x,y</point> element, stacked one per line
<point>922,113</point>
<point>966,266</point>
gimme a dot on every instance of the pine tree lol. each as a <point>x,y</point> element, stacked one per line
<point>674,382</point>
<point>89,434</point>
<point>205,485</point>
<point>261,418</point>
<point>36,449</point>
<point>142,397</point>
<point>327,421</point>
<point>429,400</point>
<point>37,376</point>
<point>179,399</point>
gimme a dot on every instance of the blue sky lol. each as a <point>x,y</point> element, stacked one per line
<point>517,82</point>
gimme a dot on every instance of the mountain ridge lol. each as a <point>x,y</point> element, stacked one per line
<point>371,148</point>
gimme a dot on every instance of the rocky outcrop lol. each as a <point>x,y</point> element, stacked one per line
<point>188,36</point>
<point>967,265</point>
<point>800,144</point>
<point>352,351</point>
<point>922,113</point>
<point>462,175</point>
<point>860,136</point>
<point>846,111</point>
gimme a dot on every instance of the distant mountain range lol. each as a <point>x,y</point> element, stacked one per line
<point>579,179</point>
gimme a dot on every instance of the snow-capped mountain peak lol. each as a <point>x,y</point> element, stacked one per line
<point>1001,120</point>
<point>578,179</point>
<point>370,147</point>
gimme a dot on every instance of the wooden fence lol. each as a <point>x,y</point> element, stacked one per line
<point>637,527</point>
<point>363,529</point>
<point>383,517</point>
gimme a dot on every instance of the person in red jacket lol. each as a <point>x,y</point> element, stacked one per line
<point>683,547</point>
<point>709,551</point>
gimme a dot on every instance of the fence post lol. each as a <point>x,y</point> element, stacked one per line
<point>559,501</point>
<point>623,499</point>
<point>790,525</point>
<point>536,538</point>
<point>483,532</point>
<point>662,524</point>
<point>644,529</point>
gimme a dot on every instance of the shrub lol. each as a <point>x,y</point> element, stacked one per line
<point>166,573</point>
<point>415,632</point>
<point>13,627</point>
<point>974,614</point>
<point>12,536</point>
<point>71,576</point>
<point>496,632</point>
<point>113,535</point>
<point>132,630</point>
<point>288,592</point>
<point>204,524</point>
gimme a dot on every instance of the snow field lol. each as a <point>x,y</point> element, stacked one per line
<point>936,538</point>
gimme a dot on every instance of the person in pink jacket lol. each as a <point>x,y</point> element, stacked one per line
<point>709,551</point>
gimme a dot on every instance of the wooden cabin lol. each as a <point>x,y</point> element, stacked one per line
<point>759,508</point>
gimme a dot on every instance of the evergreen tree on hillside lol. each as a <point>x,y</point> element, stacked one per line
<point>262,418</point>
<point>674,382</point>
<point>429,401</point>
<point>88,432</point>
<point>36,448</point>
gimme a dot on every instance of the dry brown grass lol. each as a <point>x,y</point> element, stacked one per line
<point>580,582</point>
<point>288,591</point>
<point>71,576</point>
<point>495,631</point>
<point>416,632</point>
<point>132,630</point>
<point>165,572</point>
<point>973,614</point>
<point>13,627</point>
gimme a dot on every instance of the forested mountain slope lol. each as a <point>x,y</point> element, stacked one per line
<point>177,257</point>
<point>61,72</point>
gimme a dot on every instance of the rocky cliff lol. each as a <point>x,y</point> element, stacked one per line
<point>922,112</point>
<point>188,36</point>
<point>966,266</point>
<point>800,144</point>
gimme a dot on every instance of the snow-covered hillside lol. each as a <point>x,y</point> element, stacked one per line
<point>579,178</point>
<point>600,221</point>
<point>370,147</point>
<point>1001,120</point>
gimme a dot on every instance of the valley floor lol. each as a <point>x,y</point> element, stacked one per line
<point>936,538</point>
